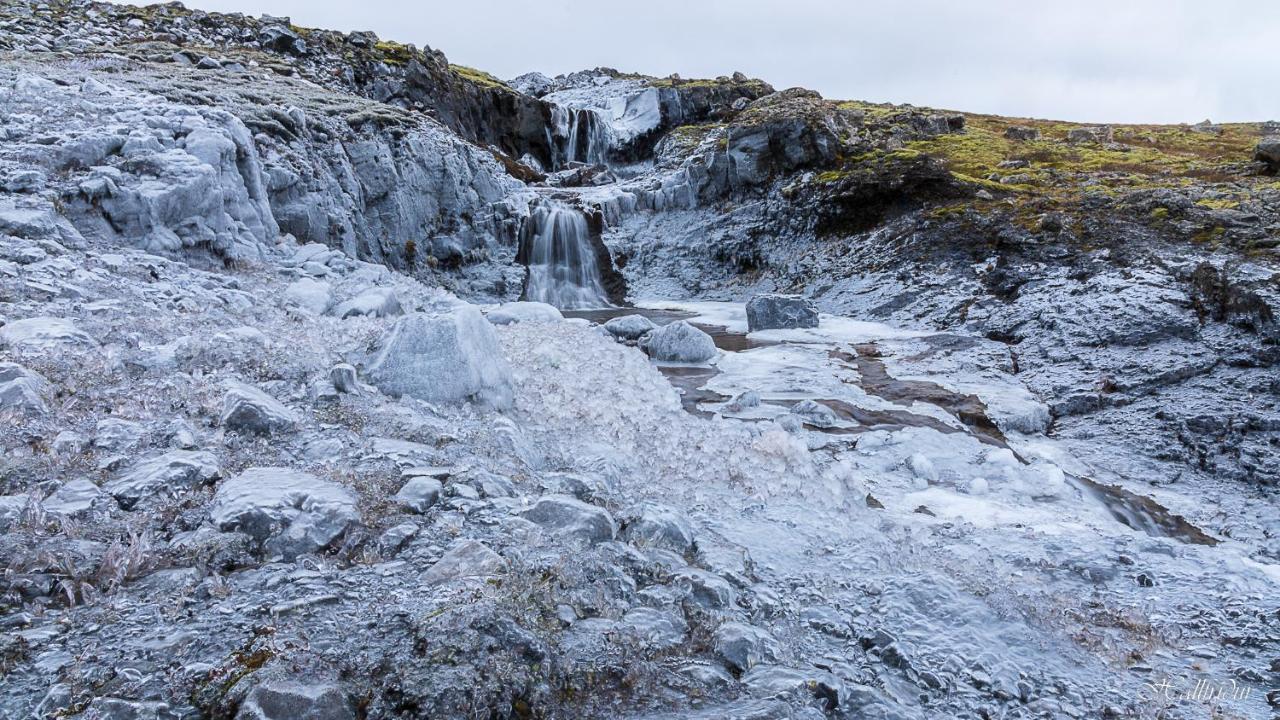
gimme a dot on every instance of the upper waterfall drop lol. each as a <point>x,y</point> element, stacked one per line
<point>561,259</point>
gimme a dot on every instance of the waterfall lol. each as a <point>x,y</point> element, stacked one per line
<point>586,135</point>
<point>561,259</point>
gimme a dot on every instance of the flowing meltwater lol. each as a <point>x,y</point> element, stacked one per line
<point>562,261</point>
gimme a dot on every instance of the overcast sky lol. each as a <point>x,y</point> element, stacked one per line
<point>1086,60</point>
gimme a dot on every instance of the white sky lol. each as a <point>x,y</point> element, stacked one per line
<point>1085,60</point>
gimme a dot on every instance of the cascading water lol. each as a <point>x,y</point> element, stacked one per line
<point>561,259</point>
<point>586,135</point>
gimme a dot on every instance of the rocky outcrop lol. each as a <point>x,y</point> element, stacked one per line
<point>453,357</point>
<point>774,312</point>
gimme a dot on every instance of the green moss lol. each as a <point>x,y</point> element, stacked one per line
<point>1160,213</point>
<point>479,77</point>
<point>393,53</point>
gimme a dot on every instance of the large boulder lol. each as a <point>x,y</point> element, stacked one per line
<point>443,358</point>
<point>44,333</point>
<point>288,512</point>
<point>309,294</point>
<point>374,302</point>
<point>1268,153</point>
<point>524,311</point>
<point>780,312</point>
<point>284,700</point>
<point>176,470</point>
<point>629,327</point>
<point>742,646</point>
<point>247,409</point>
<point>568,516</point>
<point>21,390</point>
<point>661,527</point>
<point>680,342</point>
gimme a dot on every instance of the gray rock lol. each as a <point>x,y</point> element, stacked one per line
<point>706,589</point>
<point>1093,134</point>
<point>743,646</point>
<point>288,512</point>
<point>466,559</point>
<point>74,498</point>
<point>775,312</point>
<point>1021,132</point>
<point>660,630</point>
<point>343,377</point>
<point>117,435</point>
<point>419,494</point>
<point>25,181</point>
<point>629,327</point>
<point>815,414</point>
<point>445,358</point>
<point>173,471</point>
<point>660,527</point>
<point>311,295</point>
<point>281,700</point>
<point>680,342</point>
<point>11,509</point>
<point>390,542</point>
<point>43,334</point>
<point>374,302</point>
<point>21,390</point>
<point>1268,153</point>
<point>247,409</point>
<point>281,39</point>
<point>568,516</point>
<point>524,311</point>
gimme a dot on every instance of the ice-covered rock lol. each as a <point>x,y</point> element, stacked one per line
<point>374,302</point>
<point>247,409</point>
<point>44,334</point>
<point>815,413</point>
<point>174,471</point>
<point>344,379</point>
<point>443,358</point>
<point>21,390</point>
<point>776,312</point>
<point>680,342</point>
<point>288,512</point>
<point>629,327</point>
<point>661,527</point>
<point>295,700</point>
<point>466,559</point>
<point>419,493</point>
<point>743,646</point>
<point>659,629</point>
<point>524,311</point>
<point>76,497</point>
<point>312,295</point>
<point>570,517</point>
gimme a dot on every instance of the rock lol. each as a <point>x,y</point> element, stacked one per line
<point>208,63</point>
<point>21,390</point>
<point>660,630</point>
<point>343,377</point>
<point>11,509</point>
<point>116,435</point>
<point>44,334</point>
<point>419,494</point>
<point>74,498</point>
<point>390,542</point>
<point>743,646</point>
<point>745,400</point>
<point>524,311</point>
<point>774,312</point>
<point>444,358</point>
<point>289,700</point>
<point>1021,132</point>
<point>309,294</point>
<point>1268,153</point>
<point>567,516</point>
<point>281,39</point>
<point>374,302</point>
<point>711,591</point>
<point>25,181</point>
<point>286,511</point>
<point>815,414</point>
<point>246,409</point>
<point>629,327</point>
<point>660,527</point>
<point>1094,134</point>
<point>465,559</point>
<point>173,471</point>
<point>680,342</point>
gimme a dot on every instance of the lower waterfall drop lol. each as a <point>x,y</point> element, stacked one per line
<point>561,260</point>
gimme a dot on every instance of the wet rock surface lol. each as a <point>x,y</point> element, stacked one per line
<point>262,458</point>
